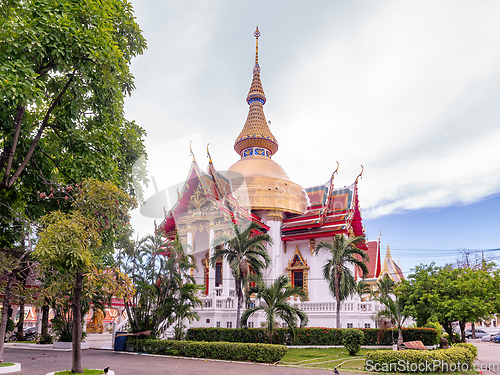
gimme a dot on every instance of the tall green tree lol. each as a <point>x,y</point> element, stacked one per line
<point>73,243</point>
<point>362,288</point>
<point>64,71</point>
<point>245,251</point>
<point>166,293</point>
<point>336,271</point>
<point>276,306</point>
<point>449,295</point>
<point>384,287</point>
<point>394,309</point>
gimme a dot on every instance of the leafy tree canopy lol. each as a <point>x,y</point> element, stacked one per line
<point>64,70</point>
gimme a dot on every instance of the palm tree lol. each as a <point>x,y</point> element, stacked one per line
<point>276,305</point>
<point>336,270</point>
<point>383,287</point>
<point>362,288</point>
<point>395,311</point>
<point>244,250</point>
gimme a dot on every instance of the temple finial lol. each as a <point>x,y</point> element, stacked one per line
<point>256,139</point>
<point>336,170</point>
<point>208,154</point>
<point>256,34</point>
<point>191,150</point>
<point>361,174</point>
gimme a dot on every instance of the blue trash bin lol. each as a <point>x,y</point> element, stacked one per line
<point>120,342</point>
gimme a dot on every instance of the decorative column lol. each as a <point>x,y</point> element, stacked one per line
<point>315,273</point>
<point>211,271</point>
<point>275,269</point>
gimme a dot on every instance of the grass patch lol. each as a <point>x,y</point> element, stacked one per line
<point>6,364</point>
<point>86,371</point>
<point>325,359</point>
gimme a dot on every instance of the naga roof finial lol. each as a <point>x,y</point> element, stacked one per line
<point>208,154</point>
<point>361,174</point>
<point>336,170</point>
<point>191,150</point>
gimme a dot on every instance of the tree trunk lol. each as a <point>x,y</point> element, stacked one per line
<point>5,310</point>
<point>473,330</point>
<point>337,297</point>
<point>238,306</point>
<point>462,329</point>
<point>449,330</point>
<point>400,338</point>
<point>45,319</point>
<point>77,325</point>
<point>20,323</point>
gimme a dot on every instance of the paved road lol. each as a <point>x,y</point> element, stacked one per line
<point>37,362</point>
<point>488,357</point>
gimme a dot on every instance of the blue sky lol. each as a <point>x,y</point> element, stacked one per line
<point>408,89</point>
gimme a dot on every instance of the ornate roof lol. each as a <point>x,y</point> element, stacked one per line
<point>331,211</point>
<point>256,132</point>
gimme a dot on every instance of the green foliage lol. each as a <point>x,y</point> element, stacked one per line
<point>214,350</point>
<point>308,336</point>
<point>352,339</point>
<point>46,338</point>
<point>64,70</point>
<point>166,293</point>
<point>276,305</point>
<point>10,325</point>
<point>336,270</point>
<point>471,347</point>
<point>450,294</point>
<point>418,360</point>
<point>384,287</point>
<point>437,327</point>
<point>244,249</point>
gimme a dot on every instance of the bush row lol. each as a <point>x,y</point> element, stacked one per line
<point>214,350</point>
<point>455,359</point>
<point>311,336</point>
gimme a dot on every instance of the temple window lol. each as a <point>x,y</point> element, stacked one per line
<point>298,271</point>
<point>218,273</point>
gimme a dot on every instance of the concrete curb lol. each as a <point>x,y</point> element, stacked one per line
<point>10,369</point>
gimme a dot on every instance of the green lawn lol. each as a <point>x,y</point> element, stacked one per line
<point>326,359</point>
<point>6,364</point>
<point>86,371</point>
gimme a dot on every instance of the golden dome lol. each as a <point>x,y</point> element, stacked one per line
<point>260,183</point>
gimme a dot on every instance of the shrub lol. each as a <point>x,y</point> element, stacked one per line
<point>352,340</point>
<point>214,350</point>
<point>309,335</point>
<point>46,338</point>
<point>445,360</point>
<point>471,347</point>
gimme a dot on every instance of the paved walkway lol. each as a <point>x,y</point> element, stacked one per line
<point>39,362</point>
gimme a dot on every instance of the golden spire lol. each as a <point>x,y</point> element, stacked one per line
<point>256,132</point>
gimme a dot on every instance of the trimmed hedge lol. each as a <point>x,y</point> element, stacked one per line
<point>309,336</point>
<point>457,358</point>
<point>214,350</point>
<point>472,348</point>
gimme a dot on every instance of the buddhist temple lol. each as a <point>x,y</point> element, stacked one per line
<point>256,188</point>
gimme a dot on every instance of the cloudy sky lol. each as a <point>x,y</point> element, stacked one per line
<point>411,90</point>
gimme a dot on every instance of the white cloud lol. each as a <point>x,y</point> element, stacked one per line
<point>408,89</point>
